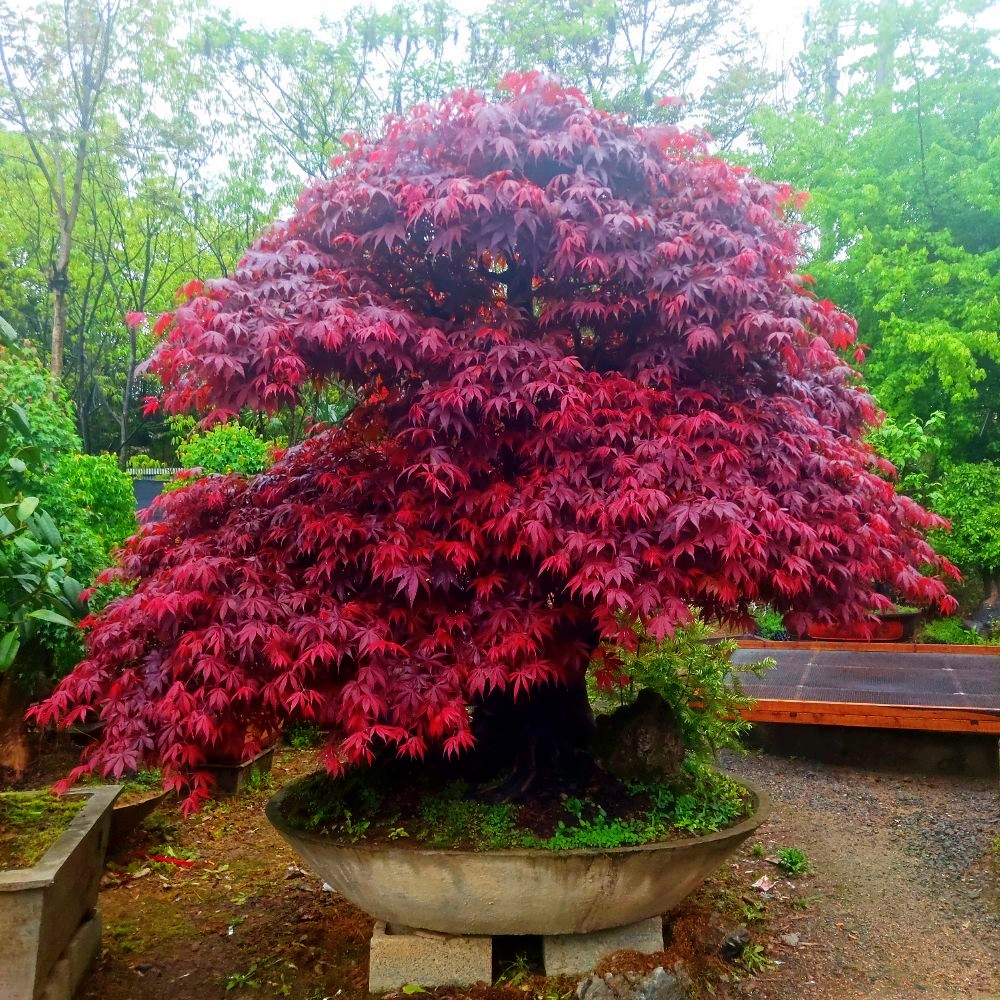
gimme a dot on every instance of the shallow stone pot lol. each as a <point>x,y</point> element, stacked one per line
<point>49,932</point>
<point>516,891</point>
<point>231,778</point>
<point>126,816</point>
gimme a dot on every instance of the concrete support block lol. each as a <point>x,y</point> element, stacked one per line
<point>68,973</point>
<point>401,955</point>
<point>83,949</point>
<point>58,986</point>
<point>578,954</point>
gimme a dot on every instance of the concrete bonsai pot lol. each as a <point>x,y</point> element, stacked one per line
<point>231,777</point>
<point>516,891</point>
<point>49,929</point>
<point>126,816</point>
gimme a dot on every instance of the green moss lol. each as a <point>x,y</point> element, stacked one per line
<point>161,924</point>
<point>135,787</point>
<point>30,823</point>
<point>369,806</point>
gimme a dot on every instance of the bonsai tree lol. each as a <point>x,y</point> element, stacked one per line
<point>594,392</point>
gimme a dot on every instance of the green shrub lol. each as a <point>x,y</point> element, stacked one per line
<point>35,589</point>
<point>87,496</point>
<point>970,498</point>
<point>951,632</point>
<point>770,623</point>
<point>694,676</point>
<point>226,448</point>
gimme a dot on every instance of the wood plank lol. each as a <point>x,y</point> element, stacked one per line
<point>863,708</point>
<point>911,717</point>
<point>870,647</point>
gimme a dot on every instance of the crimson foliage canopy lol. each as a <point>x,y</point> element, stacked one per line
<point>596,391</point>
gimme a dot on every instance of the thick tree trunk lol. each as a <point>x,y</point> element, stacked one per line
<point>547,730</point>
<point>988,611</point>
<point>14,702</point>
<point>127,400</point>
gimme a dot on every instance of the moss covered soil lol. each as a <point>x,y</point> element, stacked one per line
<point>30,823</point>
<point>427,807</point>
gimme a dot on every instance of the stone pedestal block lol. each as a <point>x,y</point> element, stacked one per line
<point>69,971</point>
<point>401,955</point>
<point>578,954</point>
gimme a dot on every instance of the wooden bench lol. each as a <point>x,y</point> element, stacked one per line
<point>951,689</point>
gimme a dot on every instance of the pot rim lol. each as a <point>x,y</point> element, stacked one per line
<point>761,811</point>
<point>150,796</point>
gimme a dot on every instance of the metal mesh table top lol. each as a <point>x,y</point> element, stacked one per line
<point>874,678</point>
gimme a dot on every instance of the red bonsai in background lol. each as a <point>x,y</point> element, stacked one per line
<point>597,391</point>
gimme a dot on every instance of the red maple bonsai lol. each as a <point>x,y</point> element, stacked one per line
<point>596,391</point>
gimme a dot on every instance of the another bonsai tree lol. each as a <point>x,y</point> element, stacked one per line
<point>595,392</point>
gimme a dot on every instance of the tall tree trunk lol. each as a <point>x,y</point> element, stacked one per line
<point>14,702</point>
<point>545,731</point>
<point>59,283</point>
<point>127,399</point>
<point>988,612</point>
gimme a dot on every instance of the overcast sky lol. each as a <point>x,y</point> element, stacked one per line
<point>778,21</point>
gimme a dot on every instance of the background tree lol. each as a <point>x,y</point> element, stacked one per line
<point>55,91</point>
<point>895,136</point>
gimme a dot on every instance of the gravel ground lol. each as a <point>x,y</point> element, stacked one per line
<point>903,901</point>
<point>905,876</point>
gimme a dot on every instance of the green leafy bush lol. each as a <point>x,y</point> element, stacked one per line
<point>87,496</point>
<point>770,623</point>
<point>914,447</point>
<point>226,448</point>
<point>969,497</point>
<point>693,673</point>
<point>34,585</point>
<point>303,736</point>
<point>951,632</point>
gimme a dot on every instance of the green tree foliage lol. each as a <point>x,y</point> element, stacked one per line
<point>896,135</point>
<point>914,447</point>
<point>970,497</point>
<point>88,497</point>
<point>226,448</point>
<point>35,587</point>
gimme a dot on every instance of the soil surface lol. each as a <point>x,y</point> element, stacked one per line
<point>906,883</point>
<point>903,902</point>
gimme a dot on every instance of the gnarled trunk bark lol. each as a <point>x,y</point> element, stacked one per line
<point>548,729</point>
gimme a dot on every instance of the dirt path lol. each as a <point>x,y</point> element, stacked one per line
<point>902,902</point>
<point>908,903</point>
